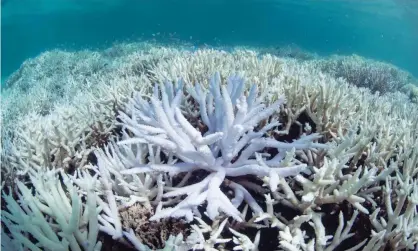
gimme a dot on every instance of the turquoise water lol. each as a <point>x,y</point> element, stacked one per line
<point>378,29</point>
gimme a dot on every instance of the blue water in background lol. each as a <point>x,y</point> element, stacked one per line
<point>385,30</point>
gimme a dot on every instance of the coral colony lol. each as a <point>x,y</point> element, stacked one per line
<point>171,149</point>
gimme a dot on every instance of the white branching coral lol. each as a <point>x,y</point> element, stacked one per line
<point>292,238</point>
<point>50,219</point>
<point>231,146</point>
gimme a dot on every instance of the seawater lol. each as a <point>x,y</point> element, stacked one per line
<point>385,30</point>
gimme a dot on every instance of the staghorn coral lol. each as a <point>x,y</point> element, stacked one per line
<point>231,147</point>
<point>53,217</point>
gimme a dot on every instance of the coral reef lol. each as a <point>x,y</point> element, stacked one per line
<point>167,148</point>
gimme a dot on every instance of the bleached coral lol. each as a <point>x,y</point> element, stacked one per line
<point>362,186</point>
<point>231,146</point>
<point>55,220</point>
<point>60,110</point>
<point>377,76</point>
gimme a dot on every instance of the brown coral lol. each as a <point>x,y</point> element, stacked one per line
<point>154,234</point>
